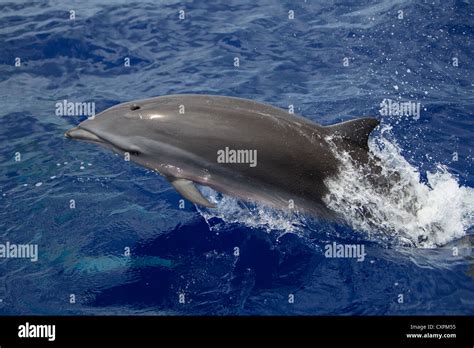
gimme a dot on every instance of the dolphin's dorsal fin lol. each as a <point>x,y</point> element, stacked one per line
<point>355,131</point>
<point>188,190</point>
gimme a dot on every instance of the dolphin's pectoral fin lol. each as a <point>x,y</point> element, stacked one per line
<point>188,190</point>
<point>356,131</point>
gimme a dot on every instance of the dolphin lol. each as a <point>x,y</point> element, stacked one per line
<point>239,147</point>
<point>71,262</point>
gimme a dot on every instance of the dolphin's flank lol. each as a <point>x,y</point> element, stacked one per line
<point>238,147</point>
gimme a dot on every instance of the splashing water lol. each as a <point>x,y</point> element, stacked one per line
<point>411,212</point>
<point>230,210</point>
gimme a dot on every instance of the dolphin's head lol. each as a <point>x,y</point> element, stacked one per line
<point>124,128</point>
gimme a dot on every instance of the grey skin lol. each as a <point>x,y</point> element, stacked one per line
<point>293,155</point>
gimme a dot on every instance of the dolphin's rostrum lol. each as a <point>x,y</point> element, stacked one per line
<point>181,137</point>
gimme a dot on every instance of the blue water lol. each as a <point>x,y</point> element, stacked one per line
<point>190,251</point>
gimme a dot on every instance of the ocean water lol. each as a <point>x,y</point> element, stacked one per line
<point>85,208</point>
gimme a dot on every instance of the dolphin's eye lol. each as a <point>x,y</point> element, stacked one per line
<point>134,153</point>
<point>134,107</point>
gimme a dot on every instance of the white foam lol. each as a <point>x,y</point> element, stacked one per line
<point>232,211</point>
<point>421,214</point>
